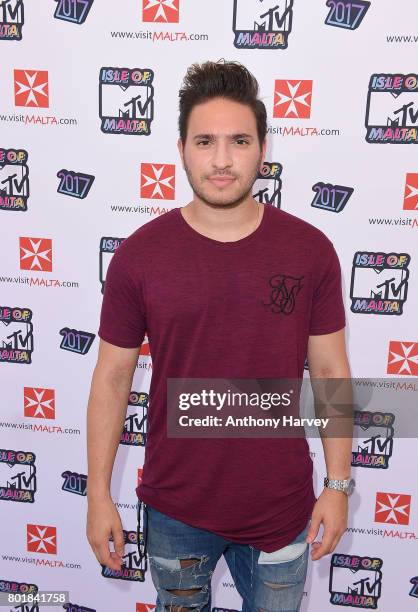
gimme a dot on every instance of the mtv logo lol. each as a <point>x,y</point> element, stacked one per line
<point>21,477</point>
<point>42,539</point>
<point>411,192</point>
<point>267,188</point>
<point>356,582</point>
<point>131,101</point>
<point>11,11</point>
<point>383,284</point>
<point>391,109</point>
<point>375,445</point>
<point>14,180</point>
<point>271,16</point>
<point>16,335</point>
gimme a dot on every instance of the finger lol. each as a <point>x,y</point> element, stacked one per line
<point>325,546</point>
<point>105,557</point>
<point>313,529</point>
<point>118,540</point>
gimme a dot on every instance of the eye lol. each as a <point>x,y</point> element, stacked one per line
<point>241,141</point>
<point>203,142</point>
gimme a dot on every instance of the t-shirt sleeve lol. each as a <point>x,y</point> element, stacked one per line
<point>327,312</point>
<point>122,317</point>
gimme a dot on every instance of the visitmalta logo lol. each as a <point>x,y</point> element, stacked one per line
<point>158,181</point>
<point>42,539</point>
<point>403,358</point>
<point>392,508</point>
<point>160,11</point>
<point>35,254</point>
<point>411,192</point>
<point>39,403</point>
<point>292,99</point>
<point>262,26</point>
<point>31,88</point>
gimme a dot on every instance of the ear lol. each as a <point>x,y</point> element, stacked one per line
<point>181,150</point>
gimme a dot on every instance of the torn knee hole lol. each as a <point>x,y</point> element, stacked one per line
<point>184,591</point>
<point>188,562</point>
<point>276,586</point>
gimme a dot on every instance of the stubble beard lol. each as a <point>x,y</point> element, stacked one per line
<point>222,201</point>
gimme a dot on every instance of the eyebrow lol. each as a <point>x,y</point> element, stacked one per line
<point>211,136</point>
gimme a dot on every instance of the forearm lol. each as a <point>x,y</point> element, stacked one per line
<point>106,413</point>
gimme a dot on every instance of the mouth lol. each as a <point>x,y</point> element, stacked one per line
<point>221,181</point>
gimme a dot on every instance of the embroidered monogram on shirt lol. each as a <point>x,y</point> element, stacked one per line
<point>283,294</point>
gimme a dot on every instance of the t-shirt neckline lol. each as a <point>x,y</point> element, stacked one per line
<point>234,244</point>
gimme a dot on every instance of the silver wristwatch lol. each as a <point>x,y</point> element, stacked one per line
<point>346,486</point>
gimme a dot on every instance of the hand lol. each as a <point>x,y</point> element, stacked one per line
<point>103,520</point>
<point>331,509</point>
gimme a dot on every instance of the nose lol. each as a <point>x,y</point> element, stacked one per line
<point>221,155</point>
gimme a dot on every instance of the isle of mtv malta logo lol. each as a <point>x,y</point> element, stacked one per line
<point>414,591</point>
<point>374,448</point>
<point>347,14</point>
<point>134,563</point>
<point>16,335</point>
<point>135,429</point>
<point>292,99</point>
<point>262,26</point>
<point>392,109</point>
<point>18,475</point>
<point>108,247</point>
<point>11,19</point>
<point>14,179</point>
<point>267,188</point>
<point>31,88</point>
<point>126,100</point>
<point>355,581</point>
<point>379,282</point>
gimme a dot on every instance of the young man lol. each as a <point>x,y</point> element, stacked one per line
<point>225,287</point>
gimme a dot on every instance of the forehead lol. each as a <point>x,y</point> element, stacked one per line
<point>219,116</point>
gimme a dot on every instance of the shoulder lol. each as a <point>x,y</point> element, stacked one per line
<point>296,229</point>
<point>148,237</point>
<point>299,227</point>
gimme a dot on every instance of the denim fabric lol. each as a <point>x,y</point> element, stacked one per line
<point>271,582</point>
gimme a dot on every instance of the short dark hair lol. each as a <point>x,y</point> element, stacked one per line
<point>230,80</point>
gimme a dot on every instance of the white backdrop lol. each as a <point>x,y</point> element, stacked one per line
<point>66,185</point>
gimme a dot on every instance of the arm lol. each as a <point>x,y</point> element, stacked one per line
<point>327,358</point>
<point>109,394</point>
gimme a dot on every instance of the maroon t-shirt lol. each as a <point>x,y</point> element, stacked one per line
<point>211,309</point>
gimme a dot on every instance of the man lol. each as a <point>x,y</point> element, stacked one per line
<point>225,287</point>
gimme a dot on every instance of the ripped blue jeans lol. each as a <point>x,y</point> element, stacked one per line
<point>183,558</point>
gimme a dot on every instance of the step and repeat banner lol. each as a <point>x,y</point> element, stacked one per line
<point>88,131</point>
